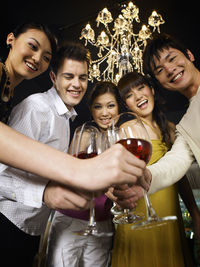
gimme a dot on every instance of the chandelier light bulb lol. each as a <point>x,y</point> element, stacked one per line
<point>88,34</point>
<point>88,27</point>
<point>154,14</point>
<point>104,17</point>
<point>155,20</point>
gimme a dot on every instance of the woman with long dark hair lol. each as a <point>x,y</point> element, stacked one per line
<point>163,245</point>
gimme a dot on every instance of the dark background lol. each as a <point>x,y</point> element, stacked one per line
<point>67,18</point>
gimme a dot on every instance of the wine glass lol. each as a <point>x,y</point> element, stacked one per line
<point>87,143</point>
<point>128,130</point>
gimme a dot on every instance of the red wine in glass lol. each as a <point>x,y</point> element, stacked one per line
<point>84,155</point>
<point>141,148</point>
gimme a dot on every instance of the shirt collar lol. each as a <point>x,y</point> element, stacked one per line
<point>60,106</point>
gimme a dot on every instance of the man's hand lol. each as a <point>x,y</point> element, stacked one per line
<point>57,196</point>
<point>127,196</point>
<point>114,166</point>
<point>145,179</point>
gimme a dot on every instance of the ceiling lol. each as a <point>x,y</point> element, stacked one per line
<point>67,18</point>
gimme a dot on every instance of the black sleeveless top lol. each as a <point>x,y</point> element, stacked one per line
<point>6,102</point>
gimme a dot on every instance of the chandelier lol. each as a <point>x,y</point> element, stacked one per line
<point>119,50</point>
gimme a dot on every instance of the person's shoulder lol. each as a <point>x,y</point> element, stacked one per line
<point>37,101</point>
<point>37,98</point>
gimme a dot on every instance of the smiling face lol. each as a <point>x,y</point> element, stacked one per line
<point>30,54</point>
<point>140,100</point>
<point>174,70</point>
<point>104,108</point>
<point>71,81</point>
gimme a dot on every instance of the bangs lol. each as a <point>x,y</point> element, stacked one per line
<point>156,54</point>
<point>129,81</point>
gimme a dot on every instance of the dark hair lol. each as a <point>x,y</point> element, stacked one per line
<point>133,79</point>
<point>155,45</point>
<point>34,25</point>
<point>70,50</point>
<point>104,87</point>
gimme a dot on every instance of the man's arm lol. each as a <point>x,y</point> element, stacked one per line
<point>172,166</point>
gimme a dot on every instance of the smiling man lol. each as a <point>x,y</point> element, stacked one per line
<point>171,65</point>
<point>70,76</point>
<point>43,117</point>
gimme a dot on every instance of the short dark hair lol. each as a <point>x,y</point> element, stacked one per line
<point>155,45</point>
<point>22,28</point>
<point>70,50</point>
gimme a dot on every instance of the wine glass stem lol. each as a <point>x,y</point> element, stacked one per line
<point>151,214</point>
<point>92,221</point>
<point>126,211</point>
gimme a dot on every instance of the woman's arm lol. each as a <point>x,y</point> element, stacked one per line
<point>19,151</point>
<point>115,166</point>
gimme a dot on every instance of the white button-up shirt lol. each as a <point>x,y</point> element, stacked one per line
<point>45,118</point>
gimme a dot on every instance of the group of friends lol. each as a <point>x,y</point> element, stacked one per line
<point>39,178</point>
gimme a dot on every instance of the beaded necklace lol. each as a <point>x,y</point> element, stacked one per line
<point>6,93</point>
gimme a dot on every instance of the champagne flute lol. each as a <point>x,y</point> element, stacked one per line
<point>128,130</point>
<point>87,143</point>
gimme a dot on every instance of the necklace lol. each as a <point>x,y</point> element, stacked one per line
<point>5,85</point>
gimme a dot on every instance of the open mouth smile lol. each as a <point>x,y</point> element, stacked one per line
<point>74,93</point>
<point>31,66</point>
<point>177,77</point>
<point>105,121</point>
<point>142,104</point>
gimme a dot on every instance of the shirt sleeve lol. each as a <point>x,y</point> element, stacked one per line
<point>31,120</point>
<point>171,167</point>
